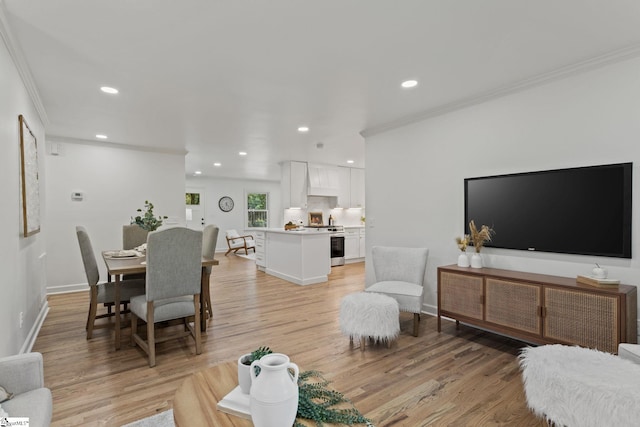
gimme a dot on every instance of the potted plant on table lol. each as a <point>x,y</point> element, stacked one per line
<point>463,242</point>
<point>244,364</point>
<point>148,221</point>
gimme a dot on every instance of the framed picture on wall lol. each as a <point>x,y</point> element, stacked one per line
<point>315,219</point>
<point>29,179</point>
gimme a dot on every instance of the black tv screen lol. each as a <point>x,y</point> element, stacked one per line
<point>584,210</point>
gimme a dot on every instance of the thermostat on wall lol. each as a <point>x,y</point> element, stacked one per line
<point>77,196</point>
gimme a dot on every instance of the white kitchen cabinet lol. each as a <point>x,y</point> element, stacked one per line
<point>294,185</point>
<point>261,255</point>
<point>357,188</point>
<point>354,248</point>
<point>362,245</point>
<point>303,258</point>
<point>344,188</point>
<point>351,243</point>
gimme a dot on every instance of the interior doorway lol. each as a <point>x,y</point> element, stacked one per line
<point>195,208</point>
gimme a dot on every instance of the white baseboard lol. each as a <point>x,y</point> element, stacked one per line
<point>64,289</point>
<point>35,330</point>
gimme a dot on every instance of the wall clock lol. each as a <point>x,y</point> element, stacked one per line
<point>225,203</point>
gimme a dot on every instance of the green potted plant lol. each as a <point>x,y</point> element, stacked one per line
<point>148,221</point>
<point>244,363</point>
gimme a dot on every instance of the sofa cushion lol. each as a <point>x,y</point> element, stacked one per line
<point>5,394</point>
<point>35,404</point>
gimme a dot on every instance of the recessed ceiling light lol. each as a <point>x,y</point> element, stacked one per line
<point>409,84</point>
<point>217,164</point>
<point>198,172</point>
<point>101,136</point>
<point>107,89</point>
<point>303,129</point>
<point>350,162</point>
<point>243,153</point>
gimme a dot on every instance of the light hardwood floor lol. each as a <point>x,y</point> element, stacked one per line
<point>462,377</point>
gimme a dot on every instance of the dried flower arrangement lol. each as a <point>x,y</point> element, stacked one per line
<point>463,242</point>
<point>480,237</point>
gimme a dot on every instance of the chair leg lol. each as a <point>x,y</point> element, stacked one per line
<point>196,323</point>
<point>362,339</point>
<point>416,324</point>
<point>151,338</point>
<point>93,307</point>
<point>134,328</point>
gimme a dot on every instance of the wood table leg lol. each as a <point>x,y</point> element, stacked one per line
<point>117,315</point>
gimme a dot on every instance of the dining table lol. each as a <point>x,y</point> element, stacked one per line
<point>118,265</point>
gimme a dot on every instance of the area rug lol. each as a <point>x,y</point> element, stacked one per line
<point>251,256</point>
<point>163,419</point>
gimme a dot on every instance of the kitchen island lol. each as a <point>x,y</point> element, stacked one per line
<point>302,257</point>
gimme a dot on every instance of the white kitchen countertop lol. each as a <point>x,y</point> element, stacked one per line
<point>304,231</point>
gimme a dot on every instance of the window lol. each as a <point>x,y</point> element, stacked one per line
<point>257,212</point>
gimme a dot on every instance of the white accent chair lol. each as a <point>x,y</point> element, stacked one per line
<point>174,272</point>
<point>399,273</point>
<point>237,242</point>
<point>102,293</point>
<point>23,375</point>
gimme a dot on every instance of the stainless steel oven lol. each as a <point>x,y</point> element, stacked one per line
<point>337,247</point>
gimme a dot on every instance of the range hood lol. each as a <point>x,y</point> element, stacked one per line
<point>323,180</point>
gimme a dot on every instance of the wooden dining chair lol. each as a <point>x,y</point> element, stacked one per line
<point>174,272</point>
<point>209,242</point>
<point>102,293</point>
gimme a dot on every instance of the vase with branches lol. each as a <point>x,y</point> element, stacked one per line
<point>479,237</point>
<point>463,242</point>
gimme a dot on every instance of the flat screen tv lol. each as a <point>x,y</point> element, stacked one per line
<point>585,210</point>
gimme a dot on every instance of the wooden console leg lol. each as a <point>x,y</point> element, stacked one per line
<point>362,339</point>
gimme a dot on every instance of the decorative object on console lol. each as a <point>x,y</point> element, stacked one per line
<point>274,393</point>
<point>479,238</point>
<point>463,259</point>
<point>148,221</point>
<point>599,272</point>
<point>601,283</point>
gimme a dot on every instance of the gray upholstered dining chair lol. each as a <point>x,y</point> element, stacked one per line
<point>399,273</point>
<point>133,236</point>
<point>209,242</point>
<point>102,293</point>
<point>174,259</point>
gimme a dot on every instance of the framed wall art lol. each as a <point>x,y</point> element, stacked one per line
<point>29,179</point>
<point>315,219</point>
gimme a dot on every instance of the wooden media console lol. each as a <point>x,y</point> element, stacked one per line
<point>538,308</point>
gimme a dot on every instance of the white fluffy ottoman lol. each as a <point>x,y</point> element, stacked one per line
<point>574,386</point>
<point>370,315</point>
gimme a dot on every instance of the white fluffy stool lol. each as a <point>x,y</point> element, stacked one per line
<point>370,315</point>
<point>574,386</point>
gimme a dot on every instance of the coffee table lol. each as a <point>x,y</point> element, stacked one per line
<point>194,403</point>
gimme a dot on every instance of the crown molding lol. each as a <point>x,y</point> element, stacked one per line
<point>69,140</point>
<point>593,63</point>
<point>21,64</point>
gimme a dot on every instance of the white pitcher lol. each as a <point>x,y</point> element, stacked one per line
<point>274,392</point>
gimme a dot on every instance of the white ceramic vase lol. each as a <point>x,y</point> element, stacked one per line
<point>274,392</point>
<point>476,260</point>
<point>244,377</point>
<point>463,260</point>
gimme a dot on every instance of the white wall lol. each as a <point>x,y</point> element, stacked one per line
<point>115,182</point>
<point>22,283</point>
<point>215,188</point>
<point>415,173</point>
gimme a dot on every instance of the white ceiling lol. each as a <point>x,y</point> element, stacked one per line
<point>216,77</point>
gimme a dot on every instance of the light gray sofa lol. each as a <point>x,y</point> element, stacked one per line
<point>23,375</point>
